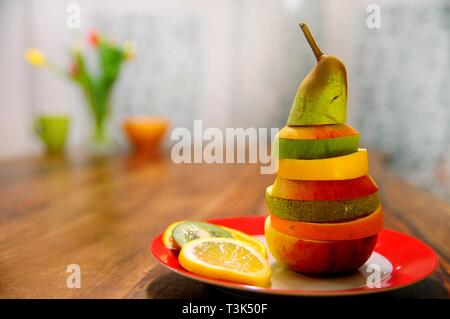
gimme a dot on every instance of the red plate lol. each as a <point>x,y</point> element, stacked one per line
<point>401,260</point>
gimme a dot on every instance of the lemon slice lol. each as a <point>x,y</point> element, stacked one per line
<point>348,166</point>
<point>255,243</point>
<point>167,238</point>
<point>226,258</point>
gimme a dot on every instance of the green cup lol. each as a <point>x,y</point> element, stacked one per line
<point>52,129</point>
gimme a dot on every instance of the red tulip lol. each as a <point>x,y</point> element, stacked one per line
<point>93,38</point>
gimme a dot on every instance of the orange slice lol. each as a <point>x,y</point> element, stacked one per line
<point>225,258</point>
<point>255,243</point>
<point>358,228</point>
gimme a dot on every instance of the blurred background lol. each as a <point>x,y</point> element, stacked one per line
<point>238,64</point>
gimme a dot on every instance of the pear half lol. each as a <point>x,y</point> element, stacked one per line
<point>322,96</point>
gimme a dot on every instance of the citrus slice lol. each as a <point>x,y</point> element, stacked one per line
<point>188,231</point>
<point>227,259</point>
<point>354,229</point>
<point>167,238</point>
<point>349,166</point>
<point>255,243</point>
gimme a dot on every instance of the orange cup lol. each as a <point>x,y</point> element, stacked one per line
<point>145,133</point>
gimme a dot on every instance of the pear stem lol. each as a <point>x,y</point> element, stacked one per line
<point>311,41</point>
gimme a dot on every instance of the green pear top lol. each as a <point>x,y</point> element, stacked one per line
<point>322,96</point>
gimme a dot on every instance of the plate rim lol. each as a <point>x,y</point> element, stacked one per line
<point>293,292</point>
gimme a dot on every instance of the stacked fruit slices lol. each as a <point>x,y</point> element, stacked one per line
<point>324,208</point>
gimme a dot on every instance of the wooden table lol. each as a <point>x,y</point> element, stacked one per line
<point>102,214</point>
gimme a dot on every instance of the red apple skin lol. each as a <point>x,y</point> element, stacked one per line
<point>317,132</point>
<point>318,257</point>
<point>324,190</point>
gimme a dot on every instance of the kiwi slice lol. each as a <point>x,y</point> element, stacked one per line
<point>321,211</point>
<point>188,231</point>
<point>316,149</point>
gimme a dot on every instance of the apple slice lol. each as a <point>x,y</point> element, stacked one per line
<point>324,190</point>
<point>318,257</point>
<point>316,132</point>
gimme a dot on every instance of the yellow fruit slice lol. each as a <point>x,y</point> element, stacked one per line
<point>227,259</point>
<point>349,166</point>
<point>167,238</point>
<point>255,243</point>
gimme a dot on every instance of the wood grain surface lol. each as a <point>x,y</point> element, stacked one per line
<point>102,214</point>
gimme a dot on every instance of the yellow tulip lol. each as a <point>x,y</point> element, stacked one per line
<point>129,50</point>
<point>35,57</point>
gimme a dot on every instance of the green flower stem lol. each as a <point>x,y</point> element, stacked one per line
<point>100,133</point>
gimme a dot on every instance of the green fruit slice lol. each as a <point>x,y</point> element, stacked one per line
<point>315,149</point>
<point>188,231</point>
<point>321,211</point>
